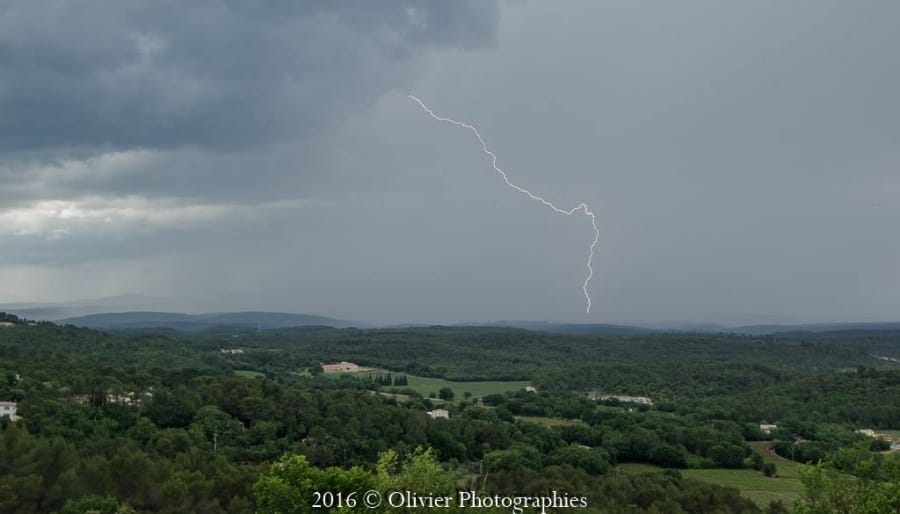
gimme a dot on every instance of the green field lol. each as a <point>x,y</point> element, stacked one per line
<point>752,484</point>
<point>246,373</point>
<point>786,468</point>
<point>548,422</point>
<point>428,385</point>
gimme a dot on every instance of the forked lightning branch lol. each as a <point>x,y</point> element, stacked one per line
<point>579,208</point>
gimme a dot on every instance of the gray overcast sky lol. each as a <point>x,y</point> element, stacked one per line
<point>742,157</point>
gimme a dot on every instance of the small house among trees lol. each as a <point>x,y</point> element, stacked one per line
<point>439,413</point>
<point>340,367</point>
<point>8,410</point>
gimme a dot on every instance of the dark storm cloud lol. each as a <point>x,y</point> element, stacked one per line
<point>162,74</point>
<point>135,126</point>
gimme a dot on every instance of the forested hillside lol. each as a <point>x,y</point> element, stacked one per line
<point>169,422</point>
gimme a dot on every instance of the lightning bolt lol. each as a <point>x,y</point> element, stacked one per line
<point>583,207</point>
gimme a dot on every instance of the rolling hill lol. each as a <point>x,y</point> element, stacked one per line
<point>197,322</point>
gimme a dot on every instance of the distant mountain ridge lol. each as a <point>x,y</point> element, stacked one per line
<point>753,330</point>
<point>814,328</point>
<point>279,320</point>
<point>572,328</point>
<point>198,322</point>
<point>136,311</point>
<point>52,311</point>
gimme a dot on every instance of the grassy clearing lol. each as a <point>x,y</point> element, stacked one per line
<point>246,373</point>
<point>786,468</point>
<point>428,385</point>
<point>548,422</point>
<point>752,484</point>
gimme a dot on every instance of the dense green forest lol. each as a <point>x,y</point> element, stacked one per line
<point>163,421</point>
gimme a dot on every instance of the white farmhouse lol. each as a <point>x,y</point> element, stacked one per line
<point>8,410</point>
<point>439,413</point>
<point>767,429</point>
<point>341,367</point>
<point>621,398</point>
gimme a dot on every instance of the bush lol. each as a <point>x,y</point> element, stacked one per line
<point>494,399</point>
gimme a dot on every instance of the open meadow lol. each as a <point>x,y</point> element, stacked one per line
<point>785,486</point>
